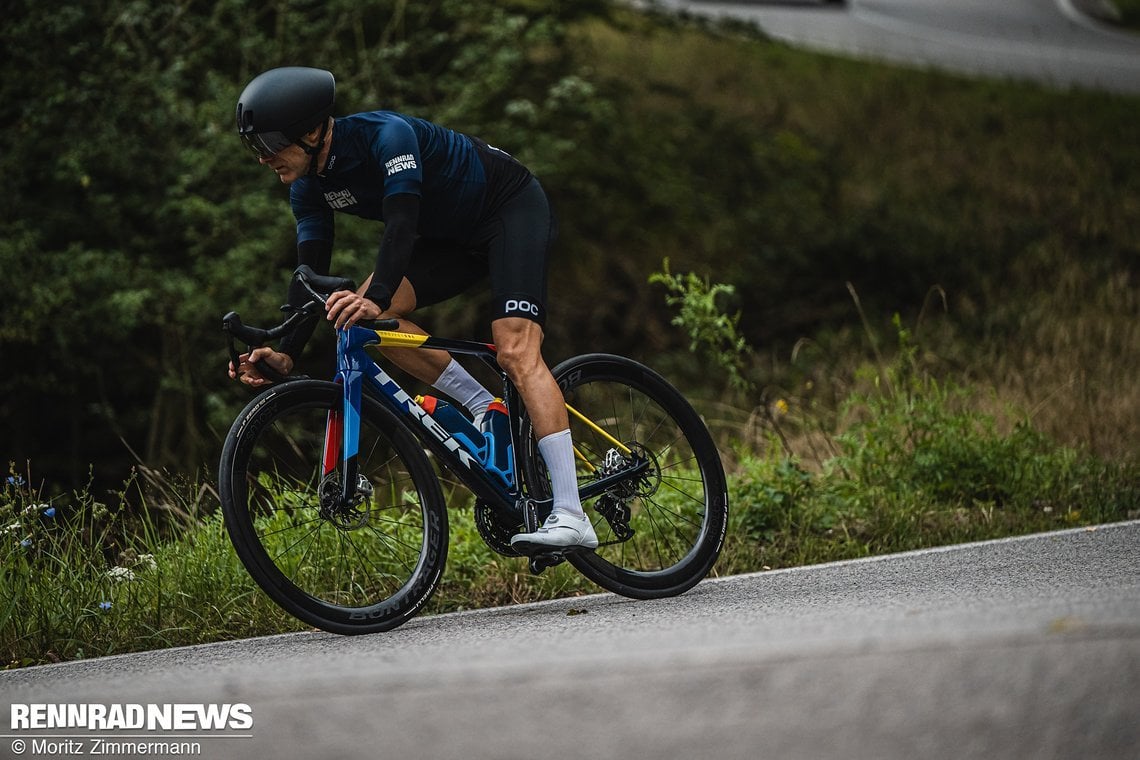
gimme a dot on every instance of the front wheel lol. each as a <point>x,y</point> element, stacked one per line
<point>361,567</point>
<point>661,523</point>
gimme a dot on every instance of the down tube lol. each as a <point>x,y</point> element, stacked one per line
<point>447,449</point>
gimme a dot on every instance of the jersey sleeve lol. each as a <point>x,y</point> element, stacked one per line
<point>397,152</point>
<point>313,215</point>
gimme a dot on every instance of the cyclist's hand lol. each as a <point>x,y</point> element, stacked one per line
<point>346,308</point>
<point>249,375</point>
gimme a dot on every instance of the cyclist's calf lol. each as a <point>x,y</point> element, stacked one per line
<point>519,346</point>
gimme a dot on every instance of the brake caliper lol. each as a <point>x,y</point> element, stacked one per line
<point>345,516</point>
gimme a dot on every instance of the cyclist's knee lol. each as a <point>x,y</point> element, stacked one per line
<point>403,301</point>
<point>519,346</point>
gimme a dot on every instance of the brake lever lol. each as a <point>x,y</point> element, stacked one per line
<point>263,369</point>
<point>271,374</point>
<point>254,337</point>
<point>317,297</point>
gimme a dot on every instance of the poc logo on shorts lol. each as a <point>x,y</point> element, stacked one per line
<point>516,305</point>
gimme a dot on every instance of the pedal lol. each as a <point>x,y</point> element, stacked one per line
<point>545,559</point>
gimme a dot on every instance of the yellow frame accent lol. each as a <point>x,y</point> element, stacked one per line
<point>582,458</point>
<point>590,424</point>
<point>392,339</point>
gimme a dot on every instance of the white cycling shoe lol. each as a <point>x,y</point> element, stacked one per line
<point>561,530</point>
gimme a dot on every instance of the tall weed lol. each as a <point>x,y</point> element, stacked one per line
<point>907,457</point>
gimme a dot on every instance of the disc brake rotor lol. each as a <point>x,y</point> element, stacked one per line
<point>350,516</point>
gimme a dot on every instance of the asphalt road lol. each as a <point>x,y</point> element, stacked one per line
<point>1021,648</point>
<point>1046,41</point>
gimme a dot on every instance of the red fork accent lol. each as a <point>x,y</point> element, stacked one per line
<point>334,431</point>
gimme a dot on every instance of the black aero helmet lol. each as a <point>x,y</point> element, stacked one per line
<point>282,105</point>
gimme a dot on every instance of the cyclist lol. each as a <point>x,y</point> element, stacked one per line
<point>455,210</point>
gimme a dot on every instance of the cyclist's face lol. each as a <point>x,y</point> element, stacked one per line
<point>290,163</point>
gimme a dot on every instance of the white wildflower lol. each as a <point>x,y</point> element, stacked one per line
<point>121,574</point>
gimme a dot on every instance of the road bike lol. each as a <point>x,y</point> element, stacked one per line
<point>332,502</point>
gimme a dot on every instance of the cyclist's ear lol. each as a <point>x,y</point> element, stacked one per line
<point>310,138</point>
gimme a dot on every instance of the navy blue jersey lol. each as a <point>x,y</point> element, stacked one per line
<point>373,155</point>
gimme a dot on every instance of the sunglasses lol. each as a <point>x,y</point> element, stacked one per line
<point>266,144</point>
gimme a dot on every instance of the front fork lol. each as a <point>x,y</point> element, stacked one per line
<point>334,432</point>
<point>342,426</point>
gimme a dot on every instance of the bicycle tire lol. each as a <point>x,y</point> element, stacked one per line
<point>363,571</point>
<point>679,513</point>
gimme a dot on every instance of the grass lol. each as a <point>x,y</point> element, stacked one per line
<point>82,579</point>
<point>906,460</point>
<point>907,455</point>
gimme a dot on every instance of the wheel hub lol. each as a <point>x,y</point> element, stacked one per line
<point>643,485</point>
<point>348,516</point>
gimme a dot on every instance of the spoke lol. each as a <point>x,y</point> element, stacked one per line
<point>686,494</point>
<point>305,556</point>
<point>390,539</point>
<point>378,570</point>
<point>289,548</point>
<point>291,527</point>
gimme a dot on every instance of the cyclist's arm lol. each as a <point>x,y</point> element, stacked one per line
<point>318,255</point>
<point>396,153</point>
<point>401,215</point>
<point>315,232</point>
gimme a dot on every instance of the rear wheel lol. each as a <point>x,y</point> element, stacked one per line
<point>358,568</point>
<point>661,528</point>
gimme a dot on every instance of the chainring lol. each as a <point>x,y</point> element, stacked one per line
<point>495,534</point>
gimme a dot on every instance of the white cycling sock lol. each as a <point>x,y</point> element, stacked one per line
<point>558,452</point>
<point>458,383</point>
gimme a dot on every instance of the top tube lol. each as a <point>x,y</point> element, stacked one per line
<point>358,337</point>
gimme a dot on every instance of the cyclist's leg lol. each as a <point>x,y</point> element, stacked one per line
<point>519,343</point>
<point>438,271</point>
<point>517,241</point>
<point>425,365</point>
